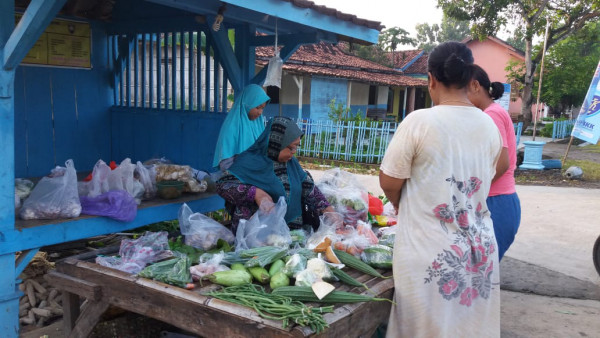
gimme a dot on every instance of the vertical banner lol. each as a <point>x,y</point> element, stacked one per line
<point>504,100</point>
<point>587,126</point>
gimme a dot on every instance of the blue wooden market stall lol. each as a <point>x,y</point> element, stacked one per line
<point>103,79</point>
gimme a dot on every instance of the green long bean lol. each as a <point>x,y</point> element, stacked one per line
<point>275,307</point>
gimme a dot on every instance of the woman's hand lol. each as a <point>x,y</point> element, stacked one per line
<point>263,200</point>
<point>329,209</point>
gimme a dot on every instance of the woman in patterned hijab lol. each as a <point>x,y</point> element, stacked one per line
<point>269,170</point>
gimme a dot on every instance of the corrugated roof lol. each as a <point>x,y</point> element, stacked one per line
<point>326,59</point>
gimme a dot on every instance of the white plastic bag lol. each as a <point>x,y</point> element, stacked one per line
<point>201,231</point>
<point>122,177</point>
<point>145,177</point>
<point>264,229</point>
<point>99,182</point>
<point>54,196</point>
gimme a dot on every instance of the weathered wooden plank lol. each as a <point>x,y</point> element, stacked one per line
<point>70,311</point>
<point>70,284</point>
<point>90,316</point>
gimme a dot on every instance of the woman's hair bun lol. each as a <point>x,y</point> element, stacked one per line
<point>496,90</point>
<point>451,64</point>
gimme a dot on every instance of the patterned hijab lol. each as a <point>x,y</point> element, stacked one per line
<point>258,166</point>
<point>238,131</point>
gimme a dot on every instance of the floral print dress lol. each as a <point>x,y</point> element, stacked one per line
<point>446,271</point>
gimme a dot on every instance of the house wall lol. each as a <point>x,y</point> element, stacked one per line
<point>288,98</point>
<point>322,91</point>
<point>382,96</point>
<point>493,57</point>
<point>62,113</point>
<point>359,98</point>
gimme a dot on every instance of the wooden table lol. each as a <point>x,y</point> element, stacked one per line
<point>191,310</point>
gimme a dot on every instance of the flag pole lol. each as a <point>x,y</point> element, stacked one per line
<point>537,105</point>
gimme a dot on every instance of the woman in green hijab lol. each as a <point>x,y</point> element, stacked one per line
<point>242,126</point>
<point>268,170</point>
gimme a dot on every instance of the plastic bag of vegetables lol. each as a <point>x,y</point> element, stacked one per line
<point>174,271</point>
<point>330,223</point>
<point>201,231</point>
<point>294,265</point>
<point>264,229</point>
<point>378,256</point>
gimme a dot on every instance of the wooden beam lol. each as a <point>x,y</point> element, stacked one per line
<point>90,316</point>
<point>74,285</point>
<point>284,40</point>
<point>223,48</point>
<point>34,21</point>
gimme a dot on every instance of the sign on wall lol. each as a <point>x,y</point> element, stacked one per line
<point>587,126</point>
<point>64,43</point>
<point>504,100</point>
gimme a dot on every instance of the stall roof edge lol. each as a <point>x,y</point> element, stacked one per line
<point>290,16</point>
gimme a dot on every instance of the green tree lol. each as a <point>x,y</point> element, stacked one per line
<point>391,38</point>
<point>429,36</point>
<point>486,17</point>
<point>570,68</point>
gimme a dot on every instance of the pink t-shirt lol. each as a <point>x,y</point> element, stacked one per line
<point>504,185</point>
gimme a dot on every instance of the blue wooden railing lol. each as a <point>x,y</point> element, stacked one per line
<point>562,129</point>
<point>518,131</point>
<point>363,142</point>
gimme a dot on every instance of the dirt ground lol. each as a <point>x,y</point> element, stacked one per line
<point>554,177</point>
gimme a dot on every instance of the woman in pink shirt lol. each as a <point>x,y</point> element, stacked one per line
<point>503,201</point>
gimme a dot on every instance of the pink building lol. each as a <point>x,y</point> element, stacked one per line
<point>493,55</point>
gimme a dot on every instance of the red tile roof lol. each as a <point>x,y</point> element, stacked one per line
<point>399,59</point>
<point>337,14</point>
<point>326,59</point>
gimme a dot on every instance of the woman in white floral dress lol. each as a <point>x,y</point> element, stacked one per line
<point>437,173</point>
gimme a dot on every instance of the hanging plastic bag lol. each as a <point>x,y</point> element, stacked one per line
<point>274,71</point>
<point>264,229</point>
<point>201,231</point>
<point>54,196</point>
<point>275,66</point>
<point>116,204</point>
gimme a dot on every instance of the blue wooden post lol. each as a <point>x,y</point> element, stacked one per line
<point>14,45</point>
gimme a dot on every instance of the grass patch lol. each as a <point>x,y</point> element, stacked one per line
<point>591,170</point>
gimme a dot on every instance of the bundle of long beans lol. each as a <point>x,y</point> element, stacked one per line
<point>275,307</point>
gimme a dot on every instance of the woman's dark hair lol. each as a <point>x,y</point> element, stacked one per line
<point>494,89</point>
<point>451,63</point>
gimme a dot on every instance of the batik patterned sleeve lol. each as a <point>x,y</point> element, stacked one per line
<point>236,193</point>
<point>312,195</point>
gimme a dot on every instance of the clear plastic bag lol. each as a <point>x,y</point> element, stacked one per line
<point>145,177</point>
<point>330,222</point>
<point>55,196</point>
<point>122,177</point>
<point>99,182</point>
<point>378,256</point>
<point>182,173</point>
<point>201,231</point>
<point>265,229</point>
<point>175,271</point>
<point>346,195</point>
<point>273,77</point>
<point>135,254</point>
<point>207,265</point>
<point>23,187</point>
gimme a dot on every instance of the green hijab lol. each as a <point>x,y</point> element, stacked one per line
<point>256,166</point>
